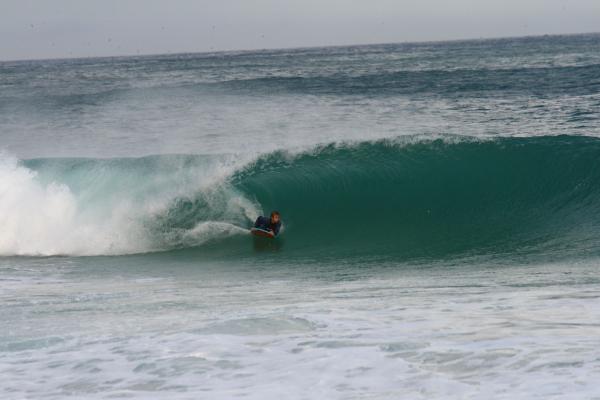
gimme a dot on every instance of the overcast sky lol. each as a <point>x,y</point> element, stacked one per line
<point>81,28</point>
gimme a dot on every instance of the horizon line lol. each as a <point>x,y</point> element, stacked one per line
<point>215,52</point>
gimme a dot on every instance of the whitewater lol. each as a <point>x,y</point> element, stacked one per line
<point>441,210</point>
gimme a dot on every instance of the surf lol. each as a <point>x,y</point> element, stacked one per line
<point>403,198</point>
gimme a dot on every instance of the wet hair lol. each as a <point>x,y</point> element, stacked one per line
<point>273,213</point>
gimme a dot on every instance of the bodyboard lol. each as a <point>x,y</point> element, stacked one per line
<point>262,233</point>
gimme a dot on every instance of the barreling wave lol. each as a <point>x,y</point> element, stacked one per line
<point>403,198</point>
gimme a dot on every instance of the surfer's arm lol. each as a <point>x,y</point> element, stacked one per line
<point>275,229</point>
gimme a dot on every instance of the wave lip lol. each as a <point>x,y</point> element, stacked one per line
<point>405,198</point>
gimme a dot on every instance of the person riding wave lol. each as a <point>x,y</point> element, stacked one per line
<point>272,224</point>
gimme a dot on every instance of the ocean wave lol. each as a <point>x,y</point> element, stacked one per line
<point>402,198</point>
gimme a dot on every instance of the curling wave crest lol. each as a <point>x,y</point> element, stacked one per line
<point>415,197</point>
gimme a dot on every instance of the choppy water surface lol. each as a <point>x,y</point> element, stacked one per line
<point>151,328</point>
<point>441,207</point>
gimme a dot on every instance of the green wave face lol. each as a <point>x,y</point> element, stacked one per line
<point>435,199</point>
<point>402,199</point>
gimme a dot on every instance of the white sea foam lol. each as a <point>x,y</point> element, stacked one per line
<point>218,332</point>
<point>41,216</point>
<point>47,219</point>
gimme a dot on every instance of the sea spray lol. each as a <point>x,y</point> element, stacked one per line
<point>114,206</point>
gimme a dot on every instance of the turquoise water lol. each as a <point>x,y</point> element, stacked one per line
<point>400,199</point>
<point>440,202</point>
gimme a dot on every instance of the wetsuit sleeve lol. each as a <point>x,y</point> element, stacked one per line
<point>262,223</point>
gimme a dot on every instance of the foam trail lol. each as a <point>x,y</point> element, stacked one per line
<point>206,231</point>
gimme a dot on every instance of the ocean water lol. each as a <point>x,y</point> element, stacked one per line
<point>441,209</point>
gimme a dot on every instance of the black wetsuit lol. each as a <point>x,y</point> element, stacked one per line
<point>265,224</point>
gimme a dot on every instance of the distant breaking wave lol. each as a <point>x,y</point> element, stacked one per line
<point>404,198</point>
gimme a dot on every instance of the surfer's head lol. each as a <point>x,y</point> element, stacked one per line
<point>275,217</point>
